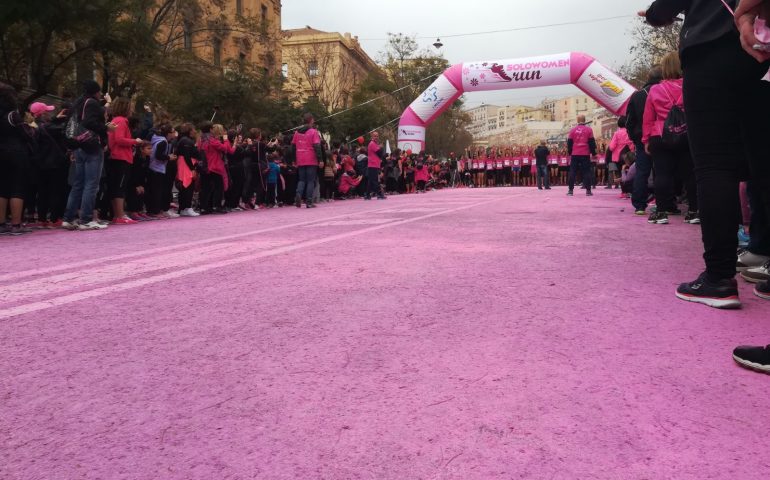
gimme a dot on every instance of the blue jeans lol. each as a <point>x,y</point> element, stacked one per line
<point>543,176</point>
<point>643,169</point>
<point>85,185</point>
<point>308,176</point>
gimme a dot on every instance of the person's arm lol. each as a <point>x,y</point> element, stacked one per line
<point>664,12</point>
<point>10,121</point>
<point>570,144</point>
<point>631,116</point>
<point>614,141</point>
<point>648,124</point>
<point>592,144</point>
<point>160,151</point>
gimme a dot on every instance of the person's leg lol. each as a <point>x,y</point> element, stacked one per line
<point>302,174</point>
<point>311,180</point>
<point>93,165</point>
<point>643,169</point>
<point>665,161</point>
<point>45,195</point>
<point>687,173</point>
<point>248,178</point>
<point>759,242</point>
<point>573,167</point>
<point>718,151</point>
<point>75,198</point>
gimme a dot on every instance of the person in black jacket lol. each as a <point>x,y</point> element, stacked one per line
<point>634,121</point>
<point>723,92</point>
<point>15,158</point>
<point>53,165</point>
<point>89,160</point>
<point>187,154</point>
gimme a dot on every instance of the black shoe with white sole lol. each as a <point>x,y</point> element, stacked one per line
<point>658,218</point>
<point>754,358</point>
<point>719,294</point>
<point>762,290</point>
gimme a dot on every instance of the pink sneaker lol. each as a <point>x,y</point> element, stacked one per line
<point>123,221</point>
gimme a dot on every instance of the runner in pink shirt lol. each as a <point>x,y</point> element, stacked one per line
<point>307,149</point>
<point>581,146</point>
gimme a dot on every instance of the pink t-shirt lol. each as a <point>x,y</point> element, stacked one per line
<point>374,160</point>
<point>580,136</point>
<point>421,174</point>
<point>305,143</point>
<point>619,142</point>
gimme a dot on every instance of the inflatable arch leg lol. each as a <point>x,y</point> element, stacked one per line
<point>579,69</point>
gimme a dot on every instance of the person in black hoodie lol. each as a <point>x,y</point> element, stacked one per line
<point>15,158</point>
<point>541,159</point>
<point>187,156</point>
<point>89,160</point>
<point>634,121</point>
<point>727,126</point>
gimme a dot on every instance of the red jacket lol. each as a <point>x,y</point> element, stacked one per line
<point>120,141</point>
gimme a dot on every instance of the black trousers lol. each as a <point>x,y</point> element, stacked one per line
<point>156,187</point>
<point>185,195</point>
<point>235,190</point>
<point>373,183</point>
<point>670,165</point>
<point>728,124</point>
<point>272,194</point>
<point>582,163</point>
<point>168,186</point>
<point>52,198</point>
<point>212,190</point>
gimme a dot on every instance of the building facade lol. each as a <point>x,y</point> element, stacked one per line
<point>328,66</point>
<point>240,31</point>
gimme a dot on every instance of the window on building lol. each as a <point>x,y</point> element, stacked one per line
<point>242,59</point>
<point>264,14</point>
<point>285,70</point>
<point>188,39</point>
<point>313,68</point>
<point>239,7</point>
<point>217,54</point>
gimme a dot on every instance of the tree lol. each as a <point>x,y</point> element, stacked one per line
<point>651,44</point>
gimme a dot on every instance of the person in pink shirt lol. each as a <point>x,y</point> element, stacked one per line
<point>421,176</point>
<point>308,152</point>
<point>668,159</point>
<point>581,146</point>
<point>375,155</point>
<point>121,158</point>
<point>620,144</point>
<point>215,144</point>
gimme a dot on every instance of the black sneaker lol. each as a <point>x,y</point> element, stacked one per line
<point>570,193</point>
<point>589,194</point>
<point>754,358</point>
<point>692,218</point>
<point>762,290</point>
<point>658,218</point>
<point>721,294</point>
<point>298,201</point>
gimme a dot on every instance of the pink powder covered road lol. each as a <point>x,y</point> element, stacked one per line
<point>469,334</point>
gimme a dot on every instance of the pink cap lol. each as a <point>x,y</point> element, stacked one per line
<point>37,108</point>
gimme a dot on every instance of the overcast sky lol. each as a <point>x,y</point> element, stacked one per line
<point>371,20</point>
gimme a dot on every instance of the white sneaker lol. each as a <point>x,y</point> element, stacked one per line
<point>748,260</point>
<point>92,225</point>
<point>189,212</point>
<point>73,225</point>
<point>172,214</point>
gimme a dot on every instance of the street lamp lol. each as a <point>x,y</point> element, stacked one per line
<point>438,44</point>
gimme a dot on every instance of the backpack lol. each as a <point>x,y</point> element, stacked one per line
<point>675,126</point>
<point>76,134</point>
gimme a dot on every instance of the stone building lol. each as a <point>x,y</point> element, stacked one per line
<point>326,65</point>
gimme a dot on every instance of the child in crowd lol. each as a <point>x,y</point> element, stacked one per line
<point>273,175</point>
<point>348,183</point>
<point>137,182</point>
<point>421,176</point>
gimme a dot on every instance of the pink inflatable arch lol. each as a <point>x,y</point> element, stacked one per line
<point>579,69</point>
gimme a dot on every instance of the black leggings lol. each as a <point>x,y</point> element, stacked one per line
<point>728,123</point>
<point>212,191</point>
<point>156,185</point>
<point>670,165</point>
<point>52,197</point>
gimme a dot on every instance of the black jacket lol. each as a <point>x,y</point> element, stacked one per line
<point>15,142</point>
<point>635,112</point>
<point>91,114</point>
<point>705,20</point>
<point>51,145</point>
<point>185,147</point>
<point>541,154</point>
